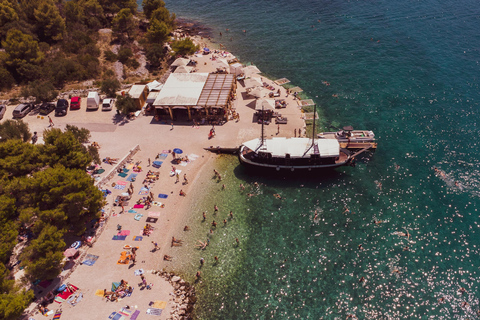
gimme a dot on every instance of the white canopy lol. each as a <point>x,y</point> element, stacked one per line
<point>236,68</point>
<point>221,63</point>
<point>183,69</point>
<point>180,62</point>
<point>154,86</point>
<point>253,82</point>
<point>258,92</point>
<point>152,96</point>
<point>265,104</point>
<point>251,70</point>
<point>181,89</point>
<point>296,147</point>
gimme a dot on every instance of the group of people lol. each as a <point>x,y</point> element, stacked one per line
<point>121,291</point>
<point>148,229</point>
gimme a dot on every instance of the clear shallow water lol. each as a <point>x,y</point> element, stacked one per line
<point>407,70</point>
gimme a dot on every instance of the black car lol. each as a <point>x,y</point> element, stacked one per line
<point>46,108</point>
<point>61,108</point>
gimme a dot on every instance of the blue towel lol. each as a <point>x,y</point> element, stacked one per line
<point>132,177</point>
<point>163,196</point>
<point>117,237</point>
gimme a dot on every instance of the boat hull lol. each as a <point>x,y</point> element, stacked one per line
<point>292,166</point>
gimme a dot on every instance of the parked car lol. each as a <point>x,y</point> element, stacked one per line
<point>3,109</point>
<point>22,110</point>
<point>75,103</point>
<point>107,104</point>
<point>46,108</point>
<point>61,108</point>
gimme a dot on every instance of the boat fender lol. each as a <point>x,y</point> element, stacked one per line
<point>293,169</point>
<point>309,168</point>
<point>278,168</point>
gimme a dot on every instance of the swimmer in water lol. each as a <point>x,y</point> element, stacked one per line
<point>315,217</point>
<point>276,195</point>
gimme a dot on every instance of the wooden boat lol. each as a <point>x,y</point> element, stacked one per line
<point>298,153</point>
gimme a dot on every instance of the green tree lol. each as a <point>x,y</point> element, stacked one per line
<point>184,47</point>
<point>43,258</point>
<point>64,197</point>
<point>93,152</point>
<point>155,53</point>
<point>8,236</point>
<point>162,14</point>
<point>6,79</point>
<point>81,134</point>
<point>157,32</point>
<point>7,13</point>
<point>64,148</point>
<point>12,299</point>
<point>110,86</point>
<point>42,91</point>
<point>49,24</point>
<point>151,5</point>
<point>124,54</point>
<point>114,6</point>
<point>124,23</point>
<point>93,13</point>
<point>126,104</point>
<point>18,158</point>
<point>110,56</point>
<point>22,52</point>
<point>14,129</point>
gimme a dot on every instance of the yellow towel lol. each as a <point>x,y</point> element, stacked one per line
<point>130,166</point>
<point>99,293</point>
<point>159,304</point>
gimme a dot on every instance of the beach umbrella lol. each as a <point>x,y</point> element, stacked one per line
<point>251,70</point>
<point>206,50</point>
<point>265,104</point>
<point>253,82</point>
<point>258,92</point>
<point>70,252</point>
<point>220,63</point>
<point>178,151</point>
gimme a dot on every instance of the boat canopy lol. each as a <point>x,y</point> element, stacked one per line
<point>295,147</point>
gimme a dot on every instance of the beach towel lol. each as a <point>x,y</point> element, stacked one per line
<point>183,163</point>
<point>122,183</point>
<point>135,315</point>
<point>193,156</point>
<point>99,293</point>
<point>116,316</point>
<point>124,233</point>
<point>117,237</point>
<point>157,164</point>
<point>137,238</point>
<point>173,173</point>
<point>144,191</point>
<point>138,272</point>
<point>163,196</point>
<point>166,151</point>
<point>73,300</point>
<point>67,292</point>
<point>57,315</point>
<point>152,220</point>
<point>58,299</point>
<point>131,211</point>
<point>138,216</point>
<point>159,304</point>
<point>90,259</point>
<point>138,206</point>
<point>126,312</point>
<point>154,311</point>
<point>122,174</point>
<point>130,166</point>
<point>163,156</point>
<point>123,258</point>
<point>154,214</point>
<point>132,177</point>
<point>125,170</point>
<point>119,187</point>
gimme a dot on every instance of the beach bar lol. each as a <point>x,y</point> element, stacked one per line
<point>139,93</point>
<point>203,97</point>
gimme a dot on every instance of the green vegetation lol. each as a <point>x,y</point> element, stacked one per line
<point>45,193</point>
<point>125,104</point>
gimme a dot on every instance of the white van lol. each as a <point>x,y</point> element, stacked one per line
<point>107,104</point>
<point>93,101</point>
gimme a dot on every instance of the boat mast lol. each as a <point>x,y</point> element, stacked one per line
<point>262,138</point>
<point>313,130</point>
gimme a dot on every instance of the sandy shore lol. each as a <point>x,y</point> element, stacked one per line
<point>116,139</point>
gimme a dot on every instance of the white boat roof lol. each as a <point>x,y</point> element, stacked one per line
<point>296,147</point>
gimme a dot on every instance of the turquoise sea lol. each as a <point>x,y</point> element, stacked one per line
<point>409,71</point>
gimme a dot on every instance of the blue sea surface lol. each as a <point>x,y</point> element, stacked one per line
<point>409,71</point>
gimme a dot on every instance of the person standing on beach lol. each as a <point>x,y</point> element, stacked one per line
<point>177,176</point>
<point>278,129</point>
<point>149,162</point>
<point>172,127</point>
<point>204,216</point>
<point>202,261</point>
<point>215,209</point>
<point>295,132</point>
<point>185,180</point>
<point>299,132</point>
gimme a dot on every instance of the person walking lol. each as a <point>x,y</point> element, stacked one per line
<point>172,126</point>
<point>177,176</point>
<point>50,122</point>
<point>155,246</point>
<point>278,129</point>
<point>185,180</point>
<point>34,137</point>
<point>295,132</point>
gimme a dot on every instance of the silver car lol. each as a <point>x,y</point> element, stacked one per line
<point>22,110</point>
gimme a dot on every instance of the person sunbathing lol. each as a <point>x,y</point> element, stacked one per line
<point>167,258</point>
<point>202,245</point>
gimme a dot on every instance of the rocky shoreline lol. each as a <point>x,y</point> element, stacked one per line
<point>183,296</point>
